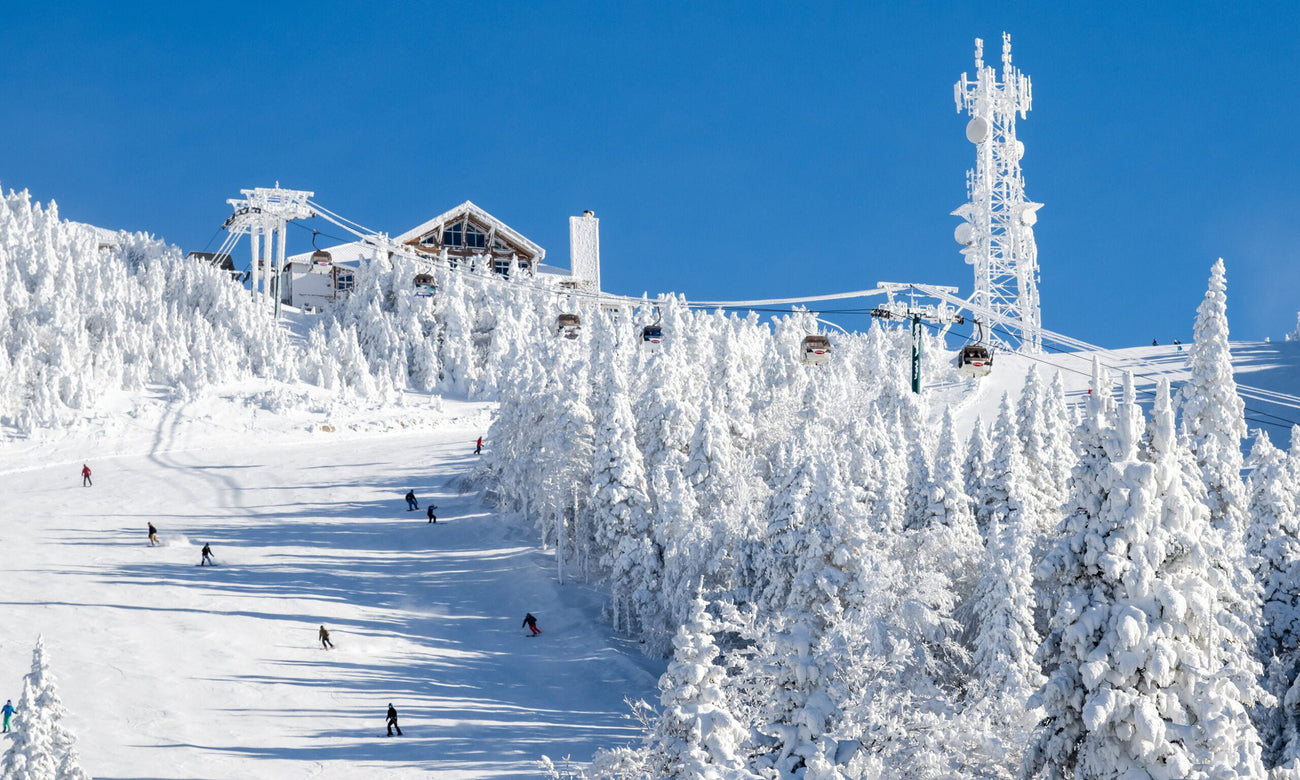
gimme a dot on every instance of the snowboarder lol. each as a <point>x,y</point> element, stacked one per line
<point>325,642</point>
<point>85,476</point>
<point>392,721</point>
<point>207,556</point>
<point>411,506</point>
<point>531,622</point>
<point>478,446</point>
<point>153,535</point>
<point>8,711</point>
<point>432,517</point>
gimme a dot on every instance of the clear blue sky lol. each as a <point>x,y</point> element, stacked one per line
<point>731,149</point>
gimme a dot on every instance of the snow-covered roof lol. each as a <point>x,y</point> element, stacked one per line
<point>468,208</point>
<point>107,239</point>
<point>347,254</point>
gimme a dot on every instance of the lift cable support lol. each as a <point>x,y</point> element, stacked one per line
<point>940,314</point>
<point>997,231</point>
<point>263,213</point>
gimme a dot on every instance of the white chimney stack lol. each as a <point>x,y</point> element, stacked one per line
<point>584,251</point>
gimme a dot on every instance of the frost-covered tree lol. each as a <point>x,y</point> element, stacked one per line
<point>1273,542</point>
<point>42,746</point>
<point>619,506</point>
<point>1005,636</point>
<point>696,735</point>
<point>1140,685</point>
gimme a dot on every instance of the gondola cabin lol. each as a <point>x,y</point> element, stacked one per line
<point>424,286</point>
<point>974,360</point>
<point>652,336</point>
<point>816,350</point>
<point>568,325</point>
<point>321,261</point>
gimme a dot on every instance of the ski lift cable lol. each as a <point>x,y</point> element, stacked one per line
<point>1285,422</point>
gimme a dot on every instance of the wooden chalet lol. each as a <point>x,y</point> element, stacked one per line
<point>469,235</point>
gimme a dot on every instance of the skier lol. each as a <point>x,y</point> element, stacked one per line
<point>432,517</point>
<point>85,476</point>
<point>8,711</point>
<point>531,622</point>
<point>325,642</point>
<point>478,447</point>
<point>411,506</point>
<point>207,556</point>
<point>392,721</point>
<point>153,535</point>
<point>1178,343</point>
<point>1155,343</point>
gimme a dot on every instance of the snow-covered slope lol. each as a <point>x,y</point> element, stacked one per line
<point>171,670</point>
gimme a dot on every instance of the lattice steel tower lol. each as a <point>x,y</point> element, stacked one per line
<point>998,226</point>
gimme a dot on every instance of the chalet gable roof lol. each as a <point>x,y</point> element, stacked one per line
<point>465,209</point>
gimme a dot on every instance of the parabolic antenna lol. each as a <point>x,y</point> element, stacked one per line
<point>965,234</point>
<point>977,130</point>
<point>1018,149</point>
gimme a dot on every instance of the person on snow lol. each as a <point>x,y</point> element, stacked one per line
<point>207,555</point>
<point>8,711</point>
<point>325,642</point>
<point>392,721</point>
<point>153,535</point>
<point>85,476</point>
<point>432,517</point>
<point>478,447</point>
<point>531,622</point>
<point>411,506</point>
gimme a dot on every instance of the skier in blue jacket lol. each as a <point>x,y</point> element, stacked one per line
<point>8,711</point>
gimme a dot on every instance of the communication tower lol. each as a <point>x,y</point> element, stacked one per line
<point>997,230</point>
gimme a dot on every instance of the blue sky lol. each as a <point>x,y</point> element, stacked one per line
<point>731,149</point>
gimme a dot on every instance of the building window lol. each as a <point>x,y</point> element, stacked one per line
<point>474,237</point>
<point>429,240</point>
<point>343,282</point>
<point>499,246</point>
<point>453,236</point>
<point>501,266</point>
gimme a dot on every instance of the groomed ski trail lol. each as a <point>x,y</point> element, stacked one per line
<point>170,670</point>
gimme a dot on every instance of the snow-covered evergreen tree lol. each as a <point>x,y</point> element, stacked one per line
<point>1140,685</point>
<point>42,746</point>
<point>696,734</point>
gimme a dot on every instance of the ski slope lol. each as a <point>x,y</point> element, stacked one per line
<point>171,670</point>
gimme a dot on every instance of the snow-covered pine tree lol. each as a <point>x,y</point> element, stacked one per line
<point>1273,544</point>
<point>1213,414</point>
<point>696,735</point>
<point>619,505</point>
<point>1005,635</point>
<point>1140,686</point>
<point>979,453</point>
<point>42,746</point>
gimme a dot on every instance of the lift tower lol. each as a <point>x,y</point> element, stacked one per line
<point>263,213</point>
<point>998,221</point>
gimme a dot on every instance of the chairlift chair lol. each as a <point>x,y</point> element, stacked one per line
<point>568,325</point>
<point>816,350</point>
<point>652,336</point>
<point>424,286</point>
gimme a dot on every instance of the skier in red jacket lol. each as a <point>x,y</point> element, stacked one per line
<point>85,476</point>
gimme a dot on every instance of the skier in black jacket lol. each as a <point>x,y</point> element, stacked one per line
<point>392,721</point>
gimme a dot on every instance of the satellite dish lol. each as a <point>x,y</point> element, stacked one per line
<point>1029,217</point>
<point>977,130</point>
<point>1018,149</point>
<point>965,234</point>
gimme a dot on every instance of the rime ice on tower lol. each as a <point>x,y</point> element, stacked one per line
<point>998,226</point>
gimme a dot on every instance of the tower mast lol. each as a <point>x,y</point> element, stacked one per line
<point>998,220</point>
